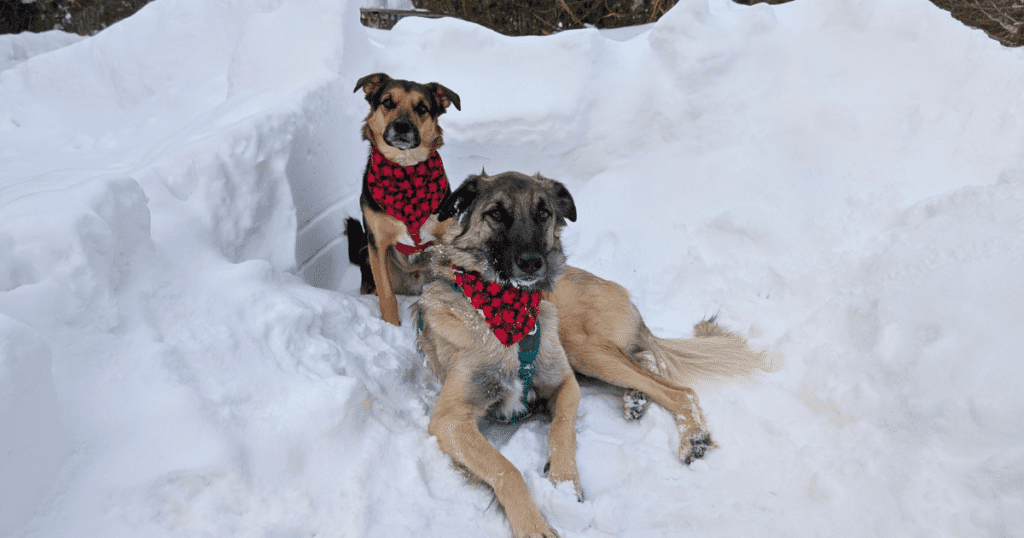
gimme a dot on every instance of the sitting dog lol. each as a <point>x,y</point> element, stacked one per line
<point>491,339</point>
<point>404,182</point>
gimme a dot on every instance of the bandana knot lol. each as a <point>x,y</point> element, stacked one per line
<point>510,311</point>
<point>408,193</point>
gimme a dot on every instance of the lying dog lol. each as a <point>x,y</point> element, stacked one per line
<point>404,182</point>
<point>503,243</point>
<point>491,339</point>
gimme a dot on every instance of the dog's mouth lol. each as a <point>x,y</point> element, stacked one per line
<point>402,134</point>
<point>533,275</point>
<point>525,283</point>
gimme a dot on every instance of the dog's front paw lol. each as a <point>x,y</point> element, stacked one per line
<point>694,447</point>
<point>540,533</point>
<point>538,528</point>
<point>634,404</point>
<point>566,475</point>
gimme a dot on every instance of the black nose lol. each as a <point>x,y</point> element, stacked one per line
<point>402,126</point>
<point>529,262</point>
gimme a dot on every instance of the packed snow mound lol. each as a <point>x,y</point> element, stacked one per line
<point>183,350</point>
<point>16,48</point>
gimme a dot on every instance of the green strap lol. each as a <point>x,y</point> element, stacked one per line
<point>529,346</point>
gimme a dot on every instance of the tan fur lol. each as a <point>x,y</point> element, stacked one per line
<point>601,334</point>
<point>384,230</point>
<point>605,337</point>
<point>464,354</point>
<point>378,119</point>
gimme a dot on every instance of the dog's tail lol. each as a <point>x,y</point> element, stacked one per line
<point>359,254</point>
<point>712,357</point>
<point>356,241</point>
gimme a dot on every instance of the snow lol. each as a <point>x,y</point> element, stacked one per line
<point>16,48</point>
<point>183,350</point>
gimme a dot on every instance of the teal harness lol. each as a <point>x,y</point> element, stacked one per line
<point>529,347</point>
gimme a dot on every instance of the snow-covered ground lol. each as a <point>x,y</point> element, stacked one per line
<point>841,180</point>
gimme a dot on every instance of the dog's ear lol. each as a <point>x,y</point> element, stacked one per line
<point>458,202</point>
<point>445,96</point>
<point>564,204</point>
<point>371,84</point>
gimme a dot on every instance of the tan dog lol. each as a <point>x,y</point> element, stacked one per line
<point>495,259</point>
<point>404,182</point>
<point>507,229</point>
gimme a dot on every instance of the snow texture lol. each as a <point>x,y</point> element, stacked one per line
<point>183,350</point>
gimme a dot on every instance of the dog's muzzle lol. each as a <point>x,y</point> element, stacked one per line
<point>529,263</point>
<point>402,134</point>
<point>529,269</point>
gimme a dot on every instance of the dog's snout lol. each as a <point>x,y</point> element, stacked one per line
<point>530,262</point>
<point>402,134</point>
<point>402,126</point>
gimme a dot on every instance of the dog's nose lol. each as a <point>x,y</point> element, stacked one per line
<point>402,126</point>
<point>529,262</point>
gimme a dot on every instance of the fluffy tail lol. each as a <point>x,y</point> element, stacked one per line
<point>712,357</point>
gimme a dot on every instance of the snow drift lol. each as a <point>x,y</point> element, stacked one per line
<point>842,181</point>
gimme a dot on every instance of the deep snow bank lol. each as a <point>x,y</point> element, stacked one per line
<point>841,180</point>
<point>125,156</point>
<point>16,48</point>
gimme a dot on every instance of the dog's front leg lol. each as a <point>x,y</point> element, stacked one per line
<point>561,465</point>
<point>383,280</point>
<point>454,423</point>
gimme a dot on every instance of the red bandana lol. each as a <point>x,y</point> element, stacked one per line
<point>408,193</point>
<point>511,312</point>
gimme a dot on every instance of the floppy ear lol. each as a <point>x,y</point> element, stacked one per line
<point>458,202</point>
<point>564,204</point>
<point>445,96</point>
<point>371,83</point>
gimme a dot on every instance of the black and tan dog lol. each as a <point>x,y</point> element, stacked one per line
<point>404,182</point>
<point>499,257</point>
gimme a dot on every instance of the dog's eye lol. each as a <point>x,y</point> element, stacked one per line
<point>388,103</point>
<point>543,214</point>
<point>421,109</point>
<point>496,214</point>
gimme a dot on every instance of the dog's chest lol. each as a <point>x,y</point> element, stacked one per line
<point>501,379</point>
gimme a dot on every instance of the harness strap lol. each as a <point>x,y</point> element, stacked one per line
<point>529,346</point>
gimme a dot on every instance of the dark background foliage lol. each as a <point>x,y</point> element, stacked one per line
<point>1003,20</point>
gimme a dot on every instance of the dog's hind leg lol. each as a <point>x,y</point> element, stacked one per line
<point>454,423</point>
<point>607,362</point>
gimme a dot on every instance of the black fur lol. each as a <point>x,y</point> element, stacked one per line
<point>517,249</point>
<point>564,204</point>
<point>380,83</point>
<point>460,201</point>
<point>359,254</point>
<point>375,86</point>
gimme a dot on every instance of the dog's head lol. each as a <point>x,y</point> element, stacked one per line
<point>402,122</point>
<point>508,228</point>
